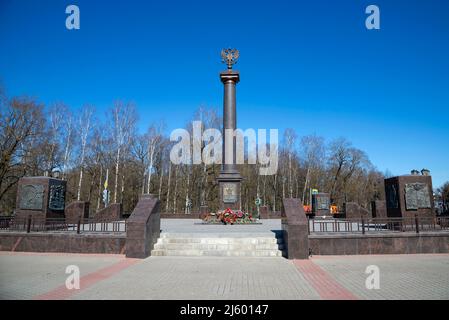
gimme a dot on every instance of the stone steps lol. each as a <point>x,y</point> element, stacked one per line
<point>219,234</point>
<point>207,246</point>
<point>219,245</point>
<point>217,253</point>
<point>216,241</point>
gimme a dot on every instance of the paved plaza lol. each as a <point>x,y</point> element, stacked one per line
<point>43,275</point>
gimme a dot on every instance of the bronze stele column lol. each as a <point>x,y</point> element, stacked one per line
<point>229,179</point>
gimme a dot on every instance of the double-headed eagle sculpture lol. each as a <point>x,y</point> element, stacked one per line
<point>229,56</point>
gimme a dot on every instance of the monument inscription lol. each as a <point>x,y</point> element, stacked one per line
<point>323,203</point>
<point>230,193</point>
<point>417,196</point>
<point>31,197</point>
<point>57,197</point>
<point>391,196</point>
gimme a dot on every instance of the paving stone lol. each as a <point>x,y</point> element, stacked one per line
<point>30,276</point>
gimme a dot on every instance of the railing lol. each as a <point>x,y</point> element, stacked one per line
<point>376,225</point>
<point>30,224</point>
<point>5,222</point>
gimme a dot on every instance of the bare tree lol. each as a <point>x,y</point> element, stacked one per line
<point>21,121</point>
<point>357,159</point>
<point>68,137</point>
<point>85,127</point>
<point>444,194</point>
<point>154,136</point>
<point>124,120</point>
<point>139,150</point>
<point>56,117</point>
<point>289,143</point>
<point>168,187</point>
<point>338,158</point>
<point>210,119</point>
<point>175,193</point>
<point>313,151</point>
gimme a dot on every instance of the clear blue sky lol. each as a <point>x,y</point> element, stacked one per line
<point>312,66</point>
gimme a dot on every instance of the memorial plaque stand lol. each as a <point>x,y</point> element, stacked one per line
<point>40,197</point>
<point>229,193</point>
<point>321,204</point>
<point>409,195</point>
<point>229,179</point>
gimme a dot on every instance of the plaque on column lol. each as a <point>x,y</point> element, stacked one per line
<point>417,196</point>
<point>31,197</point>
<point>230,193</point>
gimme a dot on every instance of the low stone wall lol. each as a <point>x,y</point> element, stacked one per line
<point>274,214</point>
<point>143,227</point>
<point>75,210</point>
<point>395,243</point>
<point>62,242</point>
<point>355,211</point>
<point>112,212</point>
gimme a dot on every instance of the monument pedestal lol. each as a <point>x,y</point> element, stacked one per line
<point>321,204</point>
<point>41,197</point>
<point>230,197</point>
<point>409,195</point>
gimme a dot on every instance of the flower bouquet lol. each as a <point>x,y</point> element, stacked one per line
<point>230,216</point>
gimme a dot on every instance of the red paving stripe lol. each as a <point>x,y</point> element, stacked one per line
<point>61,292</point>
<point>326,286</point>
<point>19,240</point>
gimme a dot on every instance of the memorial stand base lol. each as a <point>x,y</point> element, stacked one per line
<point>230,188</point>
